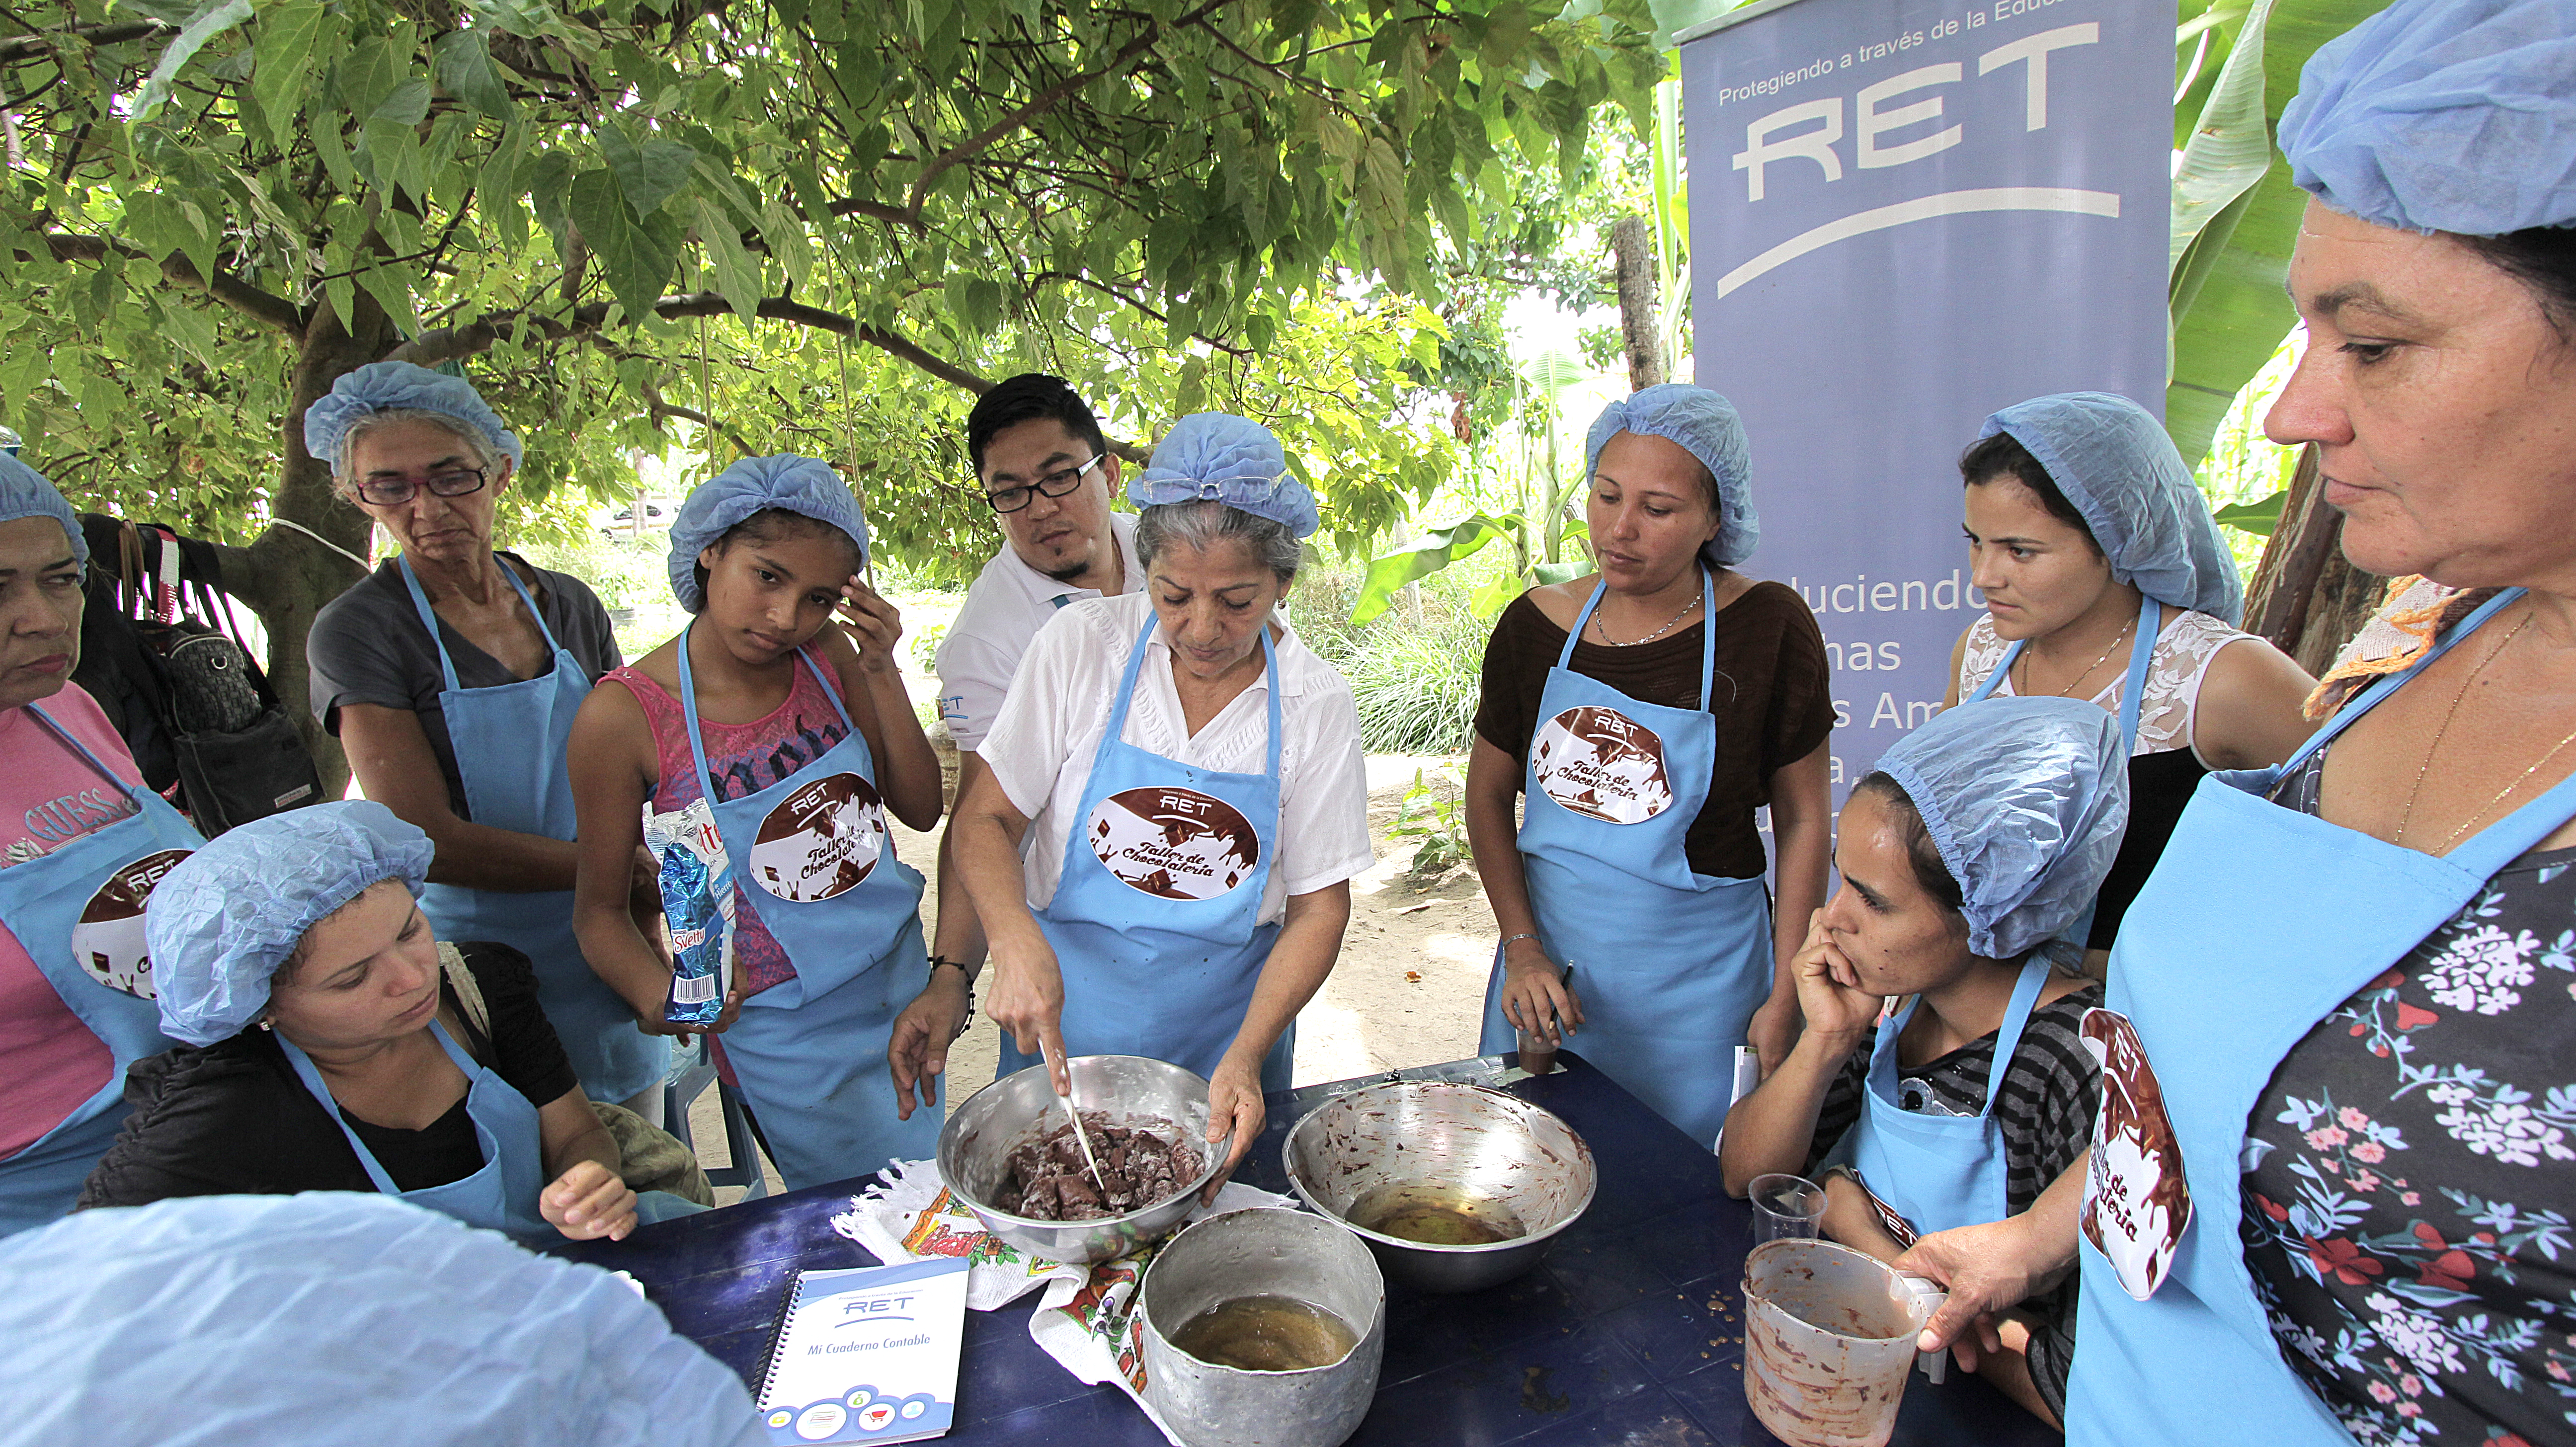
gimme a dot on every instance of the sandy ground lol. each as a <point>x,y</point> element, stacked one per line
<point>1408,990</point>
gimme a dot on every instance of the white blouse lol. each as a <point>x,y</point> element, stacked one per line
<point>1041,746</point>
<point>2184,648</point>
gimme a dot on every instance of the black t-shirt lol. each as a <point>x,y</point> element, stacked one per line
<point>367,646</point>
<point>1771,695</point>
<point>231,1118</point>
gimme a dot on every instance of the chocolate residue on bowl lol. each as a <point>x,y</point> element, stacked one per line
<point>1140,1166</point>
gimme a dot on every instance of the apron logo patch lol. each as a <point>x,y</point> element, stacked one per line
<point>820,840</point>
<point>2136,1202</point>
<point>1602,764</point>
<point>108,940</point>
<point>1173,843</point>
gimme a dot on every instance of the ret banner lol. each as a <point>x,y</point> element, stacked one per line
<point>1905,215</point>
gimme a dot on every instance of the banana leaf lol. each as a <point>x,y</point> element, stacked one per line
<point>2258,518</point>
<point>2228,307</point>
<point>1422,558</point>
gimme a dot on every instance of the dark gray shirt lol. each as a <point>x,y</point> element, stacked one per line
<point>367,646</point>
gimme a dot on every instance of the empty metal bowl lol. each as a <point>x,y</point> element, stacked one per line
<point>975,1149</point>
<point>1443,1139</point>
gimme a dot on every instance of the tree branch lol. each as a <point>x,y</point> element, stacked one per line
<point>909,214</point>
<point>659,409</point>
<point>262,307</point>
<point>18,47</point>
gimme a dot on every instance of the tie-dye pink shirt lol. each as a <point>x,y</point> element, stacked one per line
<point>741,759</point>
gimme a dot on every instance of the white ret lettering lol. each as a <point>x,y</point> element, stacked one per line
<point>1811,130</point>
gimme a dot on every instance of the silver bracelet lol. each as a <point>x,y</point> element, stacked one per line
<point>1507,939</point>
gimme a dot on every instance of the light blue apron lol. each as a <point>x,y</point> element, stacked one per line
<point>1160,954</point>
<point>41,903</point>
<point>2133,693</point>
<point>2259,921</point>
<point>1669,964</point>
<point>811,1051</point>
<point>510,745</point>
<point>1940,1171</point>
<point>502,1196</point>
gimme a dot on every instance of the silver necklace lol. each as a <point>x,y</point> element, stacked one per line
<point>1604,631</point>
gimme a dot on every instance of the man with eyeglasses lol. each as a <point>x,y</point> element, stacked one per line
<point>1045,469</point>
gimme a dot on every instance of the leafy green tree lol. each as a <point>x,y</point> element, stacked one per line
<point>208,214</point>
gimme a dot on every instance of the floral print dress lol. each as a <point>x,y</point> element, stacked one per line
<point>2409,1174</point>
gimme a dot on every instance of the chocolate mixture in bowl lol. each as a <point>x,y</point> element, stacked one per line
<point>1140,1166</point>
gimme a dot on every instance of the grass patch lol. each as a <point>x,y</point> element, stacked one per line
<point>1416,671</point>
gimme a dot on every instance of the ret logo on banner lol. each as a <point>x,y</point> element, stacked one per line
<point>1906,215</point>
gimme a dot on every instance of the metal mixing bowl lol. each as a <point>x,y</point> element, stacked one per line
<point>975,1149</point>
<point>1444,1134</point>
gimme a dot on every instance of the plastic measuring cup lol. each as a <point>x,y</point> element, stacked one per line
<point>1829,1340</point>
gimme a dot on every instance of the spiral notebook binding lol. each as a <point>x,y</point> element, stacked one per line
<point>778,1338</point>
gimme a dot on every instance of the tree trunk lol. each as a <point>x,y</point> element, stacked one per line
<point>2307,597</point>
<point>1632,254</point>
<point>286,577</point>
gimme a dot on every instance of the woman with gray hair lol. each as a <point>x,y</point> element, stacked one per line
<point>451,674</point>
<point>1185,778</point>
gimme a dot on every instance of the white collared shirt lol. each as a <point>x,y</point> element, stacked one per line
<point>1009,602</point>
<point>1040,749</point>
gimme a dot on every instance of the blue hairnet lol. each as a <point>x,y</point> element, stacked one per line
<point>400,386</point>
<point>2113,461</point>
<point>2443,115</point>
<point>1233,460</point>
<point>24,493</point>
<point>757,484</point>
<point>220,923</point>
<point>1706,426</point>
<point>213,1321</point>
<point>2026,798</point>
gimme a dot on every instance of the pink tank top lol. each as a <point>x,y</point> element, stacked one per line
<point>741,759</point>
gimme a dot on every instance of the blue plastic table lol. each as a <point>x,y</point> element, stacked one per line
<point>1629,1332</point>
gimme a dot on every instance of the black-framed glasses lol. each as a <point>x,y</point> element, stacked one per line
<point>1053,484</point>
<point>395,491</point>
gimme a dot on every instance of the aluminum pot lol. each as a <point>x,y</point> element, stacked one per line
<point>1444,1134</point>
<point>975,1149</point>
<point>1262,1252</point>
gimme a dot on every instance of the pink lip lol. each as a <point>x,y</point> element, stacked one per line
<point>424,1007</point>
<point>774,645</point>
<point>2341,494</point>
<point>50,663</point>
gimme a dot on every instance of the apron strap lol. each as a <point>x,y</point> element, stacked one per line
<point>306,1071</point>
<point>2142,655</point>
<point>1565,656</point>
<point>1135,669</point>
<point>1708,631</point>
<point>429,615</point>
<point>133,793</point>
<point>689,708</point>
<point>2025,998</point>
<point>1708,634</point>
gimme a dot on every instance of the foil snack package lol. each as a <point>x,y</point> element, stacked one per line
<point>697,907</point>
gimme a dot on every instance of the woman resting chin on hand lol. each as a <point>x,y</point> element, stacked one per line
<point>337,1045</point>
<point>1957,1115</point>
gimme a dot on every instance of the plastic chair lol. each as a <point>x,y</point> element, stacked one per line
<point>692,1071</point>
